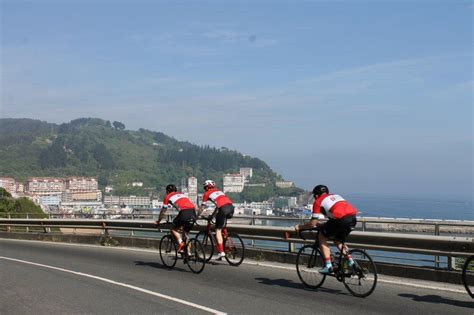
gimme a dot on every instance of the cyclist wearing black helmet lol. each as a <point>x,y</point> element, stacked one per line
<point>186,214</point>
<point>341,221</point>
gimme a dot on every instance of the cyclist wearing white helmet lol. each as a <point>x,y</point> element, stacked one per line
<point>224,210</point>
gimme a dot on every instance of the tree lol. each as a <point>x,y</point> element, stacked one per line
<point>103,157</point>
<point>118,125</point>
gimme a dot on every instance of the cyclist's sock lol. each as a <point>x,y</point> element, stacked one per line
<point>350,261</point>
<point>220,248</point>
<point>327,262</point>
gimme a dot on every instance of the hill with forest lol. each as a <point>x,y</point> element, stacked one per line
<point>117,156</point>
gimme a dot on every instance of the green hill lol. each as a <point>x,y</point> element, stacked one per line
<point>116,156</point>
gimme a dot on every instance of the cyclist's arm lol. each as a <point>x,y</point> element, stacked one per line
<point>162,213</point>
<point>213,213</point>
<point>311,224</point>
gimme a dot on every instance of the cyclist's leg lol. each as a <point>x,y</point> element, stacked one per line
<point>220,223</point>
<point>325,250</point>
<point>327,230</point>
<point>187,219</point>
<point>221,219</point>
<point>345,226</point>
<point>177,225</point>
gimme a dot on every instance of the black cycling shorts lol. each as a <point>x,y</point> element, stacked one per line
<point>339,229</point>
<point>223,213</point>
<point>186,218</point>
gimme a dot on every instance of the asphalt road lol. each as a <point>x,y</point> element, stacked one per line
<point>53,278</point>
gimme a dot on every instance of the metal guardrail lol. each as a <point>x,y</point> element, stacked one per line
<point>447,246</point>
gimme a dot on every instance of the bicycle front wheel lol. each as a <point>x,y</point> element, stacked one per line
<point>168,253</point>
<point>207,243</point>
<point>234,249</point>
<point>361,278</point>
<point>468,275</point>
<point>308,261</point>
<point>196,259</point>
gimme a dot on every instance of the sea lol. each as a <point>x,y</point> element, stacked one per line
<point>416,208</point>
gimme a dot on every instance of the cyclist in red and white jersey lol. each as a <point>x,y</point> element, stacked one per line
<point>224,210</point>
<point>186,214</point>
<point>341,221</point>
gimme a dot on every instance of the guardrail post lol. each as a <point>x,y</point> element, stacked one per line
<point>437,258</point>
<point>451,262</point>
<point>291,247</point>
<point>8,227</point>
<point>27,228</point>
<point>252,222</point>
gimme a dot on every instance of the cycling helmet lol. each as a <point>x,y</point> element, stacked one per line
<point>208,184</point>
<point>320,189</point>
<point>170,188</point>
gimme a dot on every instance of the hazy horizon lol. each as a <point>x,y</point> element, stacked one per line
<point>368,98</point>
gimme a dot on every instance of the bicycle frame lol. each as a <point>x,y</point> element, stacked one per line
<point>356,276</point>
<point>336,261</point>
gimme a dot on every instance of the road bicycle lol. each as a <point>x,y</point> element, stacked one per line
<point>233,245</point>
<point>468,275</point>
<point>192,254</point>
<point>360,279</point>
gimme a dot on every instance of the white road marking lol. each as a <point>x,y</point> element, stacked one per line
<point>132,287</point>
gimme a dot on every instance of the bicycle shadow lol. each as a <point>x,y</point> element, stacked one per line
<point>295,285</point>
<point>438,300</point>
<point>157,265</point>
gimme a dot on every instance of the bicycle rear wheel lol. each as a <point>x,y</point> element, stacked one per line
<point>361,278</point>
<point>207,243</point>
<point>168,253</point>
<point>234,249</point>
<point>468,275</point>
<point>308,261</point>
<point>197,258</point>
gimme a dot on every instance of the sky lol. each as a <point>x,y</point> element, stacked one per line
<point>367,97</point>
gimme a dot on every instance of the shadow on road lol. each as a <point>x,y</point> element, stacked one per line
<point>438,299</point>
<point>156,265</point>
<point>295,285</point>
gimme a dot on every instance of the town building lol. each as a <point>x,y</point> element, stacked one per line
<point>45,185</point>
<point>131,201</point>
<point>193,189</point>
<point>246,172</point>
<point>284,184</point>
<point>233,183</point>
<point>81,184</point>
<point>8,183</point>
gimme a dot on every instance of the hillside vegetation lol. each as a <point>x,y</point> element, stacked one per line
<point>116,156</point>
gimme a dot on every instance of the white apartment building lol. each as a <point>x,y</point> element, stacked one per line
<point>131,201</point>
<point>284,184</point>
<point>246,172</point>
<point>45,185</point>
<point>49,200</point>
<point>193,189</point>
<point>81,184</point>
<point>71,196</point>
<point>234,183</point>
<point>8,183</point>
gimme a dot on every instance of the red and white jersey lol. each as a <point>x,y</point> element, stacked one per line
<point>334,206</point>
<point>217,197</point>
<point>178,200</point>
